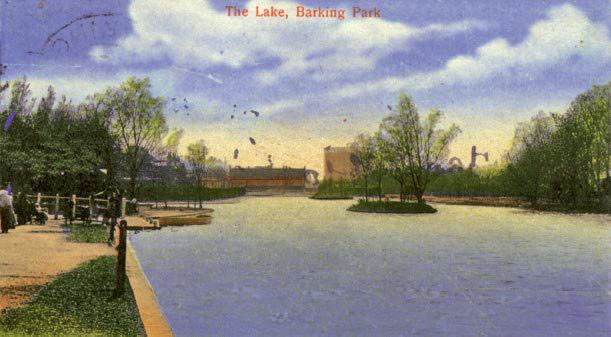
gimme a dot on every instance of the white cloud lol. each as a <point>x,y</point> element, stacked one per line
<point>193,33</point>
<point>565,34</point>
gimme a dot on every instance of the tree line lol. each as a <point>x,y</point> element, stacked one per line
<point>555,159</point>
<point>111,139</point>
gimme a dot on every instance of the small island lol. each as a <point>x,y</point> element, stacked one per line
<point>391,207</point>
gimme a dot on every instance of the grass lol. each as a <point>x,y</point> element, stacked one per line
<point>331,196</point>
<point>391,207</point>
<point>77,303</point>
<point>84,232</point>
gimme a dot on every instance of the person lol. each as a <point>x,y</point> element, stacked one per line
<point>21,208</point>
<point>6,211</point>
<point>114,212</point>
<point>41,216</point>
<point>68,216</point>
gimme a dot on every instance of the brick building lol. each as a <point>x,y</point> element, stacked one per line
<point>337,163</point>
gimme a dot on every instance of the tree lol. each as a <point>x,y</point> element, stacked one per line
<point>137,121</point>
<point>379,162</point>
<point>530,157</point>
<point>417,145</point>
<point>363,159</point>
<point>197,154</point>
<point>582,148</point>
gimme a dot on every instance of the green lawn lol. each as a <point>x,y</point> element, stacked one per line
<point>325,195</point>
<point>77,303</point>
<point>83,232</point>
<point>391,207</point>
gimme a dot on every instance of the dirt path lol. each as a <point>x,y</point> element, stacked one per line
<point>32,255</point>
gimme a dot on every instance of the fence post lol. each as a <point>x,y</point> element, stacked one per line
<point>121,255</point>
<point>56,206</point>
<point>91,205</point>
<point>38,198</point>
<point>74,206</point>
<point>123,205</point>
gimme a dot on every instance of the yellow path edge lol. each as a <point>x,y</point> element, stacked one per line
<point>153,319</point>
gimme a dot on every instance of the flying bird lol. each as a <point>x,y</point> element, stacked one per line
<point>256,113</point>
<point>186,106</point>
<point>252,141</point>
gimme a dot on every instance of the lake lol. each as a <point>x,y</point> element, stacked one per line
<point>291,266</point>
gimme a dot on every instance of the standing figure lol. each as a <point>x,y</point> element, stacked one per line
<point>114,212</point>
<point>68,218</point>
<point>6,211</point>
<point>22,209</point>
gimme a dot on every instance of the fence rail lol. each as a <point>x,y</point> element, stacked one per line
<point>91,203</point>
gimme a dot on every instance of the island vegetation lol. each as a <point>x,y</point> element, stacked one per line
<point>406,148</point>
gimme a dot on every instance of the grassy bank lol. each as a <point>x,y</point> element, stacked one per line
<point>77,303</point>
<point>331,196</point>
<point>391,207</point>
<point>91,233</point>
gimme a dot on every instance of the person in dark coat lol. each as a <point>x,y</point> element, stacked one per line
<point>114,213</point>
<point>68,218</point>
<point>22,209</point>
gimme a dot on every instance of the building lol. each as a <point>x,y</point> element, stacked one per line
<point>267,178</point>
<point>337,163</point>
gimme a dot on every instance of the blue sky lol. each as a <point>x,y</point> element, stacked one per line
<point>316,82</point>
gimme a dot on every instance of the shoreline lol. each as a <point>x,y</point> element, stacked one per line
<point>153,319</point>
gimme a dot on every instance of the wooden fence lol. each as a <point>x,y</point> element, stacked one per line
<point>92,205</point>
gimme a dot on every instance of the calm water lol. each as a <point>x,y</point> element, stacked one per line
<point>299,267</point>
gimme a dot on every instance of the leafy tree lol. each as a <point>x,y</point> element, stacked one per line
<point>363,159</point>
<point>379,163</point>
<point>417,146</point>
<point>530,157</point>
<point>137,121</point>
<point>197,154</point>
<point>582,147</point>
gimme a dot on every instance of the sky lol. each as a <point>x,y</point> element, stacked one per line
<point>487,65</point>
